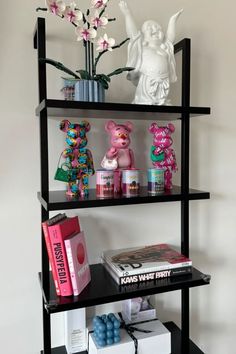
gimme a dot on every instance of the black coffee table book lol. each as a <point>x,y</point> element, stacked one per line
<point>56,200</point>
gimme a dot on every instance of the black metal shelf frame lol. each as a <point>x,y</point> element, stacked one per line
<point>54,107</point>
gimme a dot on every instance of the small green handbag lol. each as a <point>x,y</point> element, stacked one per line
<point>63,173</point>
<point>156,158</point>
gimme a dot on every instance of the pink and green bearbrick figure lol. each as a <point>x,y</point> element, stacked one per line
<point>78,157</point>
<point>162,155</point>
<point>119,156</point>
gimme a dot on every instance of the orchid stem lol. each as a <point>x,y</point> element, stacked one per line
<point>86,56</point>
<point>89,59</point>
<point>92,59</point>
<point>104,51</point>
<point>42,9</point>
<point>104,9</point>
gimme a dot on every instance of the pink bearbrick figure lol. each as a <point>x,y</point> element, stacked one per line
<point>119,156</point>
<point>162,155</point>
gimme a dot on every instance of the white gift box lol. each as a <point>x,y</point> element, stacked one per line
<point>158,341</point>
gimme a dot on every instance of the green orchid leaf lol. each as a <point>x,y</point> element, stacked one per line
<point>59,66</point>
<point>84,74</point>
<point>120,70</point>
<point>104,84</point>
<point>103,77</point>
<point>102,81</point>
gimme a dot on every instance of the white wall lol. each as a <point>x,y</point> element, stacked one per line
<point>212,223</point>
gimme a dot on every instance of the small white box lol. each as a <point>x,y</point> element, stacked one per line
<point>76,333</point>
<point>132,310</point>
<point>158,341</point>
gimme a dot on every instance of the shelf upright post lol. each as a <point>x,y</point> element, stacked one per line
<point>185,46</point>
<point>40,45</point>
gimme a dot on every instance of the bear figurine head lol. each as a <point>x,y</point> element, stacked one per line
<point>119,134</point>
<point>162,135</point>
<point>75,133</point>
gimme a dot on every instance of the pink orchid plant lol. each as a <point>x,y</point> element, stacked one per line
<point>87,27</point>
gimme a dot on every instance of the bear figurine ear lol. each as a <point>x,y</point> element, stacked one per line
<point>110,125</point>
<point>64,125</point>
<point>86,125</point>
<point>129,126</point>
<point>171,127</point>
<point>153,127</point>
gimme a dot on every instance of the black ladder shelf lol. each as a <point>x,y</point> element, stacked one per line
<point>56,200</point>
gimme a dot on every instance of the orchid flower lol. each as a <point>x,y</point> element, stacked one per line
<point>56,7</point>
<point>73,14</point>
<point>105,43</point>
<point>87,26</point>
<point>86,34</point>
<point>99,4</point>
<point>97,21</point>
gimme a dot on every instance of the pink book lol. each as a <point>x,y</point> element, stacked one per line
<point>57,234</point>
<point>78,261</point>
<point>45,225</point>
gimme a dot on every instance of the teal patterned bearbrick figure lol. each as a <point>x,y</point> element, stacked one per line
<point>79,159</point>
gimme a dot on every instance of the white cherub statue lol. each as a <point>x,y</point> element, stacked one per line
<point>151,53</point>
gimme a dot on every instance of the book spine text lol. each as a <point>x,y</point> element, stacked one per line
<point>50,256</point>
<point>71,268</point>
<point>138,278</point>
<point>62,268</point>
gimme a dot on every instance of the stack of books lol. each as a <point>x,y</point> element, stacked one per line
<point>67,254</point>
<point>139,264</point>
